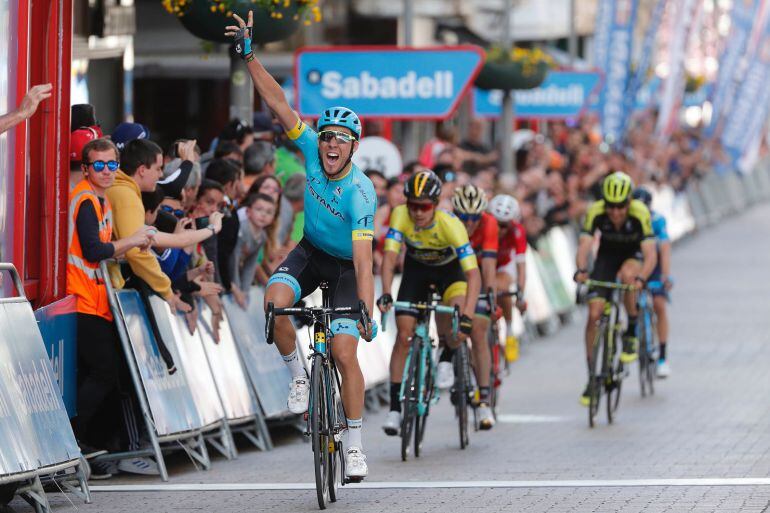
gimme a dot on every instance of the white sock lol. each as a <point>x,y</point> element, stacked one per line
<point>295,366</point>
<point>509,328</point>
<point>354,433</point>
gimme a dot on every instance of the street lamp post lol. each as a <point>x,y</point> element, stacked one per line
<point>241,90</point>
<point>506,133</point>
<point>409,146</point>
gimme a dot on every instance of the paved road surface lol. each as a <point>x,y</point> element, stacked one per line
<point>710,420</point>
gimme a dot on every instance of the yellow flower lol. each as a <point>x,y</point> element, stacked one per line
<point>213,8</point>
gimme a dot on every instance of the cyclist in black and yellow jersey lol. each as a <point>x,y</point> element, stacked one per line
<point>626,251</point>
<point>438,253</point>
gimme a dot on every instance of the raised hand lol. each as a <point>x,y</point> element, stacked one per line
<point>241,34</point>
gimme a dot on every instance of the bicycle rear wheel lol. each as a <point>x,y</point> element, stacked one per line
<point>409,403</point>
<point>337,424</point>
<point>462,382</point>
<point>319,425</point>
<point>427,397</point>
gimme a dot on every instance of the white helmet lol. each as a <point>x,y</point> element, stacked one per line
<point>505,208</point>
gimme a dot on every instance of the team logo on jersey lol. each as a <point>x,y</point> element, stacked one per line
<point>367,220</point>
<point>338,191</point>
<point>336,213</point>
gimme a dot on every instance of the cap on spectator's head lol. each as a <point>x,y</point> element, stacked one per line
<point>263,125</point>
<point>82,115</point>
<point>173,184</point>
<point>126,132</point>
<point>78,139</point>
<point>257,156</point>
<point>235,130</point>
<point>294,189</point>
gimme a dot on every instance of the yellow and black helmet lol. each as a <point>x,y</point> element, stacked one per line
<point>423,185</point>
<point>617,188</point>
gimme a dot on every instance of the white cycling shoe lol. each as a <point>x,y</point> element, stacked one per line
<point>445,375</point>
<point>663,370</point>
<point>299,395</point>
<point>355,463</point>
<point>392,423</point>
<point>486,418</point>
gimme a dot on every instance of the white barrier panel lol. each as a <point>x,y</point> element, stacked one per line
<point>563,252</point>
<point>539,308</point>
<point>225,363</point>
<point>190,359</point>
<point>675,208</point>
<point>169,397</point>
<point>264,365</point>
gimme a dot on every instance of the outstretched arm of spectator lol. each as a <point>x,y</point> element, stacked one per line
<point>27,108</point>
<point>190,237</point>
<point>269,90</point>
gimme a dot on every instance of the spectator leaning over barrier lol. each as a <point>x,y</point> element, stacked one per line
<point>141,163</point>
<point>100,364</point>
<point>27,108</point>
<point>258,234</point>
<point>218,250</point>
<point>294,193</point>
<point>269,184</point>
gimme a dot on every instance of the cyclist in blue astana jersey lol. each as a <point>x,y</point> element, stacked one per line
<point>662,273</point>
<point>336,247</point>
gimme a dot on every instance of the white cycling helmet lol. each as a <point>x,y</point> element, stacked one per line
<point>469,199</point>
<point>505,208</point>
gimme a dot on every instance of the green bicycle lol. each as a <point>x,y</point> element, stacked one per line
<point>418,386</point>
<point>606,371</point>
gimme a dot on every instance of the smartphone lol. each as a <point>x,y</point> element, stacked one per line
<point>201,222</point>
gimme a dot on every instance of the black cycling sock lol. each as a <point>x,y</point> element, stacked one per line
<point>447,354</point>
<point>662,351</point>
<point>631,331</point>
<point>395,397</point>
<point>484,394</point>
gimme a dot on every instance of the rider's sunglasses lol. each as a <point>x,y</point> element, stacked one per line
<point>420,207</point>
<point>467,217</point>
<point>327,136</point>
<point>616,206</point>
<point>99,165</point>
<point>179,214</point>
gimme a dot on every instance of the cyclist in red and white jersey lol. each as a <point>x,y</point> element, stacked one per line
<point>511,264</point>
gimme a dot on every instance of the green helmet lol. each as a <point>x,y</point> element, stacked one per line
<point>617,187</point>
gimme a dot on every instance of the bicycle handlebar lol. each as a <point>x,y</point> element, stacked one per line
<point>434,307</point>
<point>609,285</point>
<point>313,313</point>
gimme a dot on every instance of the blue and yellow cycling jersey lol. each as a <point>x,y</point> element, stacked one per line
<point>443,241</point>
<point>337,210</point>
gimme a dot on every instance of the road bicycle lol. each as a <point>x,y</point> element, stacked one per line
<point>606,372</point>
<point>648,339</point>
<point>418,385</point>
<point>326,419</point>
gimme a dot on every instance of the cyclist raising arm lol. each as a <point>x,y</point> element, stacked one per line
<point>438,253</point>
<point>626,251</point>
<point>336,246</point>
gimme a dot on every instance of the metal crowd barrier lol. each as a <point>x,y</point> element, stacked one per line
<point>36,440</point>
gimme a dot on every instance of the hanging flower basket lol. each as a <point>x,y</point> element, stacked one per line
<point>273,20</point>
<point>519,69</point>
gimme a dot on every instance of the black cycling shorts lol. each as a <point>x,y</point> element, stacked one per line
<point>307,266</point>
<point>417,278</point>
<point>606,268</point>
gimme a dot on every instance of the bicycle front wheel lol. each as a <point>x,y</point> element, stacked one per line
<point>410,386</point>
<point>337,424</point>
<point>595,384</point>
<point>319,426</point>
<point>425,400</point>
<point>462,385</point>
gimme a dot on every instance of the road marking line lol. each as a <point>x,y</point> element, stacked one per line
<point>586,483</point>
<point>523,418</point>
